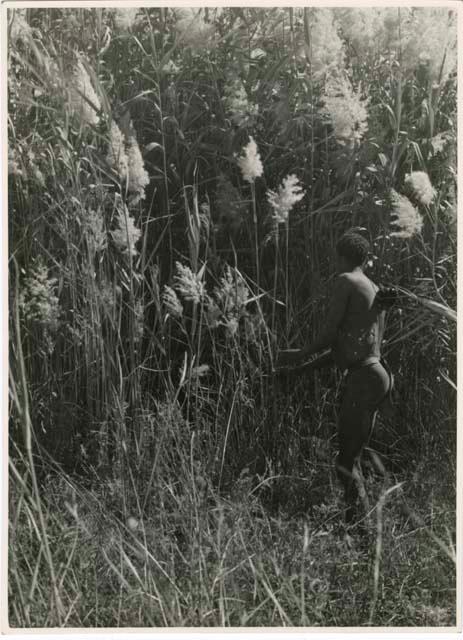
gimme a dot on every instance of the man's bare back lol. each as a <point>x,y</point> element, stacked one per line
<point>360,332</point>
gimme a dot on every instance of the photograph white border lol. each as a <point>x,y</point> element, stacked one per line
<point>198,633</point>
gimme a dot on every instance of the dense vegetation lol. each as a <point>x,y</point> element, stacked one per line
<point>177,183</point>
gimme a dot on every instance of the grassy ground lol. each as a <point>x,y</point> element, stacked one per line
<point>170,550</point>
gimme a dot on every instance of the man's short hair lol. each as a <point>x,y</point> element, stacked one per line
<point>354,247</point>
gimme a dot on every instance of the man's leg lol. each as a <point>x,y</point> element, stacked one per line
<point>352,437</point>
<point>365,388</point>
<point>354,427</point>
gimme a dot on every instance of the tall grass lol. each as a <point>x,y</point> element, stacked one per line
<point>184,555</point>
<point>159,471</point>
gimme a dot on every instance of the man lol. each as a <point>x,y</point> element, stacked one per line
<point>353,331</point>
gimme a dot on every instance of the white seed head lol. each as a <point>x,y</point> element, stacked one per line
<point>250,163</point>
<point>132,523</point>
<point>420,185</point>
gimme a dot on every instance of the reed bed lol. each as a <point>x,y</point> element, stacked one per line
<point>177,183</point>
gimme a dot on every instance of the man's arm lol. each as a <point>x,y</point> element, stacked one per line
<point>318,362</point>
<point>338,306</point>
<point>381,326</point>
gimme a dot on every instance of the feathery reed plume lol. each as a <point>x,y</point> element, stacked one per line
<point>429,42</point>
<point>188,284</point>
<point>439,142</point>
<point>241,110</point>
<point>233,293</point>
<point>193,31</point>
<point>200,371</point>
<point>108,294</point>
<point>282,201</point>
<point>171,302</point>
<point>250,163</point>
<point>38,175</point>
<point>116,156</point>
<point>171,68</point>
<point>421,36</point>
<point>346,110</point>
<point>127,234</point>
<point>20,28</point>
<point>37,299</point>
<point>193,374</point>
<point>368,30</point>
<point>232,325</point>
<point>83,99</point>
<point>213,314</point>
<point>124,19</point>
<point>14,168</point>
<point>25,163</point>
<point>138,177</point>
<point>406,216</point>
<point>420,185</point>
<point>96,234</point>
<point>326,47</point>
<point>232,297</point>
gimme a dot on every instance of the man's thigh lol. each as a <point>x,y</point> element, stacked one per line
<point>354,431</point>
<point>355,420</point>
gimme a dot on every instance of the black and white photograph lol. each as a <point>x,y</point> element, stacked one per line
<point>231,294</point>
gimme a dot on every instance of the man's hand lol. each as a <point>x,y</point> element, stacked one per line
<point>288,358</point>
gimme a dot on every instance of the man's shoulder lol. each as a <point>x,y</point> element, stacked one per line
<point>343,284</point>
<point>345,275</point>
<point>345,279</point>
<point>351,280</point>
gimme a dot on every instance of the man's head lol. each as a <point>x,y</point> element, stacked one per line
<point>352,250</point>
